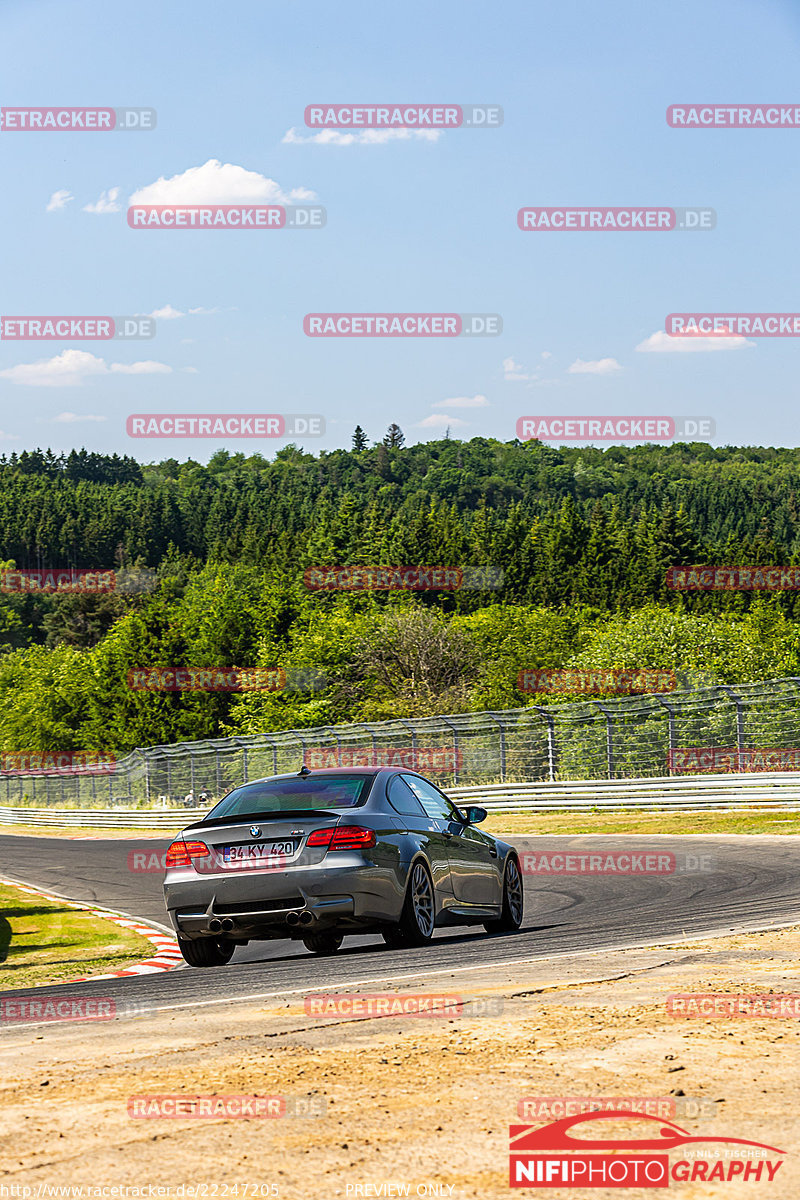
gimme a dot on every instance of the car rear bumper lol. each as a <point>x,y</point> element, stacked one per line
<point>269,904</point>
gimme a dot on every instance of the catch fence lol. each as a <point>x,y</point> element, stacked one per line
<point>753,727</point>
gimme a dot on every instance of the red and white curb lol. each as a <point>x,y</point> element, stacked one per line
<point>166,958</point>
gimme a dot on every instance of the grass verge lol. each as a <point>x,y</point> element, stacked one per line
<point>630,821</point>
<point>643,823</point>
<point>44,941</point>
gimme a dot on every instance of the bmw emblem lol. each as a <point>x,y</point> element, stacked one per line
<point>254,831</point>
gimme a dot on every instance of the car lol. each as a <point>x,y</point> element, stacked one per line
<point>320,854</point>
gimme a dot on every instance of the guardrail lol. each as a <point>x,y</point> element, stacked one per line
<point>778,792</point>
<point>691,793</point>
<point>102,818</point>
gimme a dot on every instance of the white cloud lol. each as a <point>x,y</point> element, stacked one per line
<point>463,402</point>
<point>190,370</point>
<point>513,372</point>
<point>71,418</point>
<point>439,421</point>
<point>73,367</point>
<point>364,137</point>
<point>108,203</point>
<point>9,437</point>
<point>146,367</point>
<point>59,199</point>
<point>218,183</point>
<point>661,343</point>
<point>600,366</point>
<point>546,354</point>
<point>167,313</point>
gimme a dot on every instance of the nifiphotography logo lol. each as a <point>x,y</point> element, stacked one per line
<point>552,1156</point>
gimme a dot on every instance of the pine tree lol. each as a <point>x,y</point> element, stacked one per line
<point>395,438</point>
<point>359,439</point>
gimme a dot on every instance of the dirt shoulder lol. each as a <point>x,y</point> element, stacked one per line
<point>86,831</point>
<point>412,1101</point>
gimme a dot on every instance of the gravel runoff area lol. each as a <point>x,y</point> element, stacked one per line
<point>413,1102</point>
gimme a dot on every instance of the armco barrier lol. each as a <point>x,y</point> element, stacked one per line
<point>102,818</point>
<point>691,794</point>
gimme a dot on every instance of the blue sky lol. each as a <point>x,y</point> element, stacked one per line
<point>413,225</point>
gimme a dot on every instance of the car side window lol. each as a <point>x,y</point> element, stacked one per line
<point>403,800</point>
<point>435,804</point>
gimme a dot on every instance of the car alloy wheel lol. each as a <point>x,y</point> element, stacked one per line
<point>513,901</point>
<point>422,900</point>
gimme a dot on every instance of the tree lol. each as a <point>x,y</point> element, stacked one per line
<point>359,439</point>
<point>395,438</point>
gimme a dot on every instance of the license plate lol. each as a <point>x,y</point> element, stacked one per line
<point>255,852</point>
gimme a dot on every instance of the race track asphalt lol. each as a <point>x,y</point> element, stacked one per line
<point>720,885</point>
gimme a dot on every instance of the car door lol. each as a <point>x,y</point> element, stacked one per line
<point>472,855</point>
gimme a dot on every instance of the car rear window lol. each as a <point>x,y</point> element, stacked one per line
<point>293,795</point>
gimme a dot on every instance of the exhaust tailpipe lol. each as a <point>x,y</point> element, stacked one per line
<point>227,925</point>
<point>292,918</point>
<point>306,917</point>
<point>215,924</point>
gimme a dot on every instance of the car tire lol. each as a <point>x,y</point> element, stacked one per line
<point>393,937</point>
<point>513,900</point>
<point>327,942</point>
<point>207,952</point>
<point>418,918</point>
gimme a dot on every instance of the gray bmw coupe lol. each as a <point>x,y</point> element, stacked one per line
<point>321,854</point>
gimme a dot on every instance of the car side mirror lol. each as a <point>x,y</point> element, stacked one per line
<point>475,815</point>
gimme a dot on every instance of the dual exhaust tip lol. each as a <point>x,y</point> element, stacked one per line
<point>300,918</point>
<point>306,917</point>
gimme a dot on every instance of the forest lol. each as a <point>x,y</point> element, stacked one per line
<point>562,556</point>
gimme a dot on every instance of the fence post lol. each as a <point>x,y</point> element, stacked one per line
<point>244,763</point>
<point>338,745</point>
<point>502,728</point>
<point>401,721</point>
<point>455,747</point>
<point>671,729</point>
<point>609,736</point>
<point>739,722</point>
<point>551,740</point>
<point>191,772</point>
<point>374,741</point>
<point>302,742</point>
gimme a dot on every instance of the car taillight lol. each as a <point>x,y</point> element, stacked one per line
<point>180,854</point>
<point>342,837</point>
<point>320,837</point>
